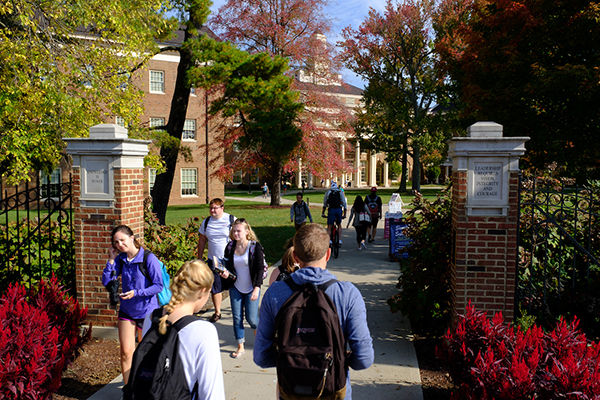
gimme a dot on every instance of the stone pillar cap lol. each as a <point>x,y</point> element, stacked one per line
<point>108,131</point>
<point>484,129</point>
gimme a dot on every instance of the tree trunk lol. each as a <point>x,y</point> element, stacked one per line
<point>404,172</point>
<point>276,186</point>
<point>416,175</point>
<point>177,115</point>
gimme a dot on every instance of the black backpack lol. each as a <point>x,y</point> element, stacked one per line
<point>311,347</point>
<point>156,370</point>
<point>335,199</point>
<point>303,205</point>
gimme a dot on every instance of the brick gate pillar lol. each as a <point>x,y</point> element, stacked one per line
<point>107,192</point>
<point>485,178</point>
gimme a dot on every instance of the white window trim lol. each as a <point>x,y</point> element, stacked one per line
<point>195,139</point>
<point>150,82</point>
<point>181,182</point>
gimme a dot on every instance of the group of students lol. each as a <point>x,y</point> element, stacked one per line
<point>305,261</point>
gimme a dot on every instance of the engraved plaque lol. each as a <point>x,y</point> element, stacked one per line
<point>487,181</point>
<point>96,177</point>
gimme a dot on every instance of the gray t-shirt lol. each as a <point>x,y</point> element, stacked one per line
<point>217,233</point>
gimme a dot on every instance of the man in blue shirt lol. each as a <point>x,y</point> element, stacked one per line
<point>311,251</point>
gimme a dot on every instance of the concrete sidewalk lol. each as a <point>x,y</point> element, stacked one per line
<point>395,372</point>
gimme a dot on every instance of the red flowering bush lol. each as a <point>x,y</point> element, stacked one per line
<point>39,335</point>
<point>490,360</point>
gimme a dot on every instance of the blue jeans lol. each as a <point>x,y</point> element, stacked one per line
<point>239,303</point>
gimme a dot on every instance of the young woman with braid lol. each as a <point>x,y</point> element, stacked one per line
<point>198,341</point>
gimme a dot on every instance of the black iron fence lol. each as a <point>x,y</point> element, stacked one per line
<point>36,234</point>
<point>559,249</point>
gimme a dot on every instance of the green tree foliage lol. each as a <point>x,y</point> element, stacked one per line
<point>296,30</point>
<point>66,67</point>
<point>532,66</point>
<point>426,275</point>
<point>394,53</point>
<point>256,92</point>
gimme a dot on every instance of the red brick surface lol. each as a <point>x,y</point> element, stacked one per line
<point>484,265</point>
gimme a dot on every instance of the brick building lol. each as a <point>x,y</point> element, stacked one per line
<point>192,183</point>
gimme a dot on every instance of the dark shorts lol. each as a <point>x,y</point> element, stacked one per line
<point>374,221</point>
<point>335,214</point>
<point>139,322</point>
<point>217,286</point>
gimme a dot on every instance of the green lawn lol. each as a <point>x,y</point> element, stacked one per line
<point>272,224</point>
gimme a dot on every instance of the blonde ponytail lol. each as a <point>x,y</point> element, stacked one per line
<point>193,277</point>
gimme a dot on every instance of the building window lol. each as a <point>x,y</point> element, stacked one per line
<point>151,179</point>
<point>189,182</point>
<point>120,121</point>
<point>51,184</point>
<point>189,130</point>
<point>363,171</point>
<point>156,122</point>
<point>157,82</point>
<point>86,76</point>
<point>379,175</point>
<point>237,178</point>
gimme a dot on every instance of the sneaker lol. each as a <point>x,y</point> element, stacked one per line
<point>370,240</point>
<point>340,242</point>
<point>359,248</point>
<point>364,246</point>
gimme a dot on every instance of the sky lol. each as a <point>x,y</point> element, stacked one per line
<point>344,13</point>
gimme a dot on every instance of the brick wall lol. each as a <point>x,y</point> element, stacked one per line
<point>93,227</point>
<point>484,259</point>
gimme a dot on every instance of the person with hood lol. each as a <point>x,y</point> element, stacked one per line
<point>312,252</point>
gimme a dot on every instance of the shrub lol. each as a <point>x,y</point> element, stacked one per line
<point>172,244</point>
<point>39,336</point>
<point>425,296</point>
<point>490,360</point>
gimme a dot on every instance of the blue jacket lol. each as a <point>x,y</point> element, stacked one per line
<point>144,299</point>
<point>350,308</point>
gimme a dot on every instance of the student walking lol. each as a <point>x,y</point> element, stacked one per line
<point>197,347</point>
<point>358,215</point>
<point>214,232</point>
<point>288,266</point>
<point>311,251</point>
<point>299,211</point>
<point>245,257</point>
<point>138,295</point>
<point>373,201</point>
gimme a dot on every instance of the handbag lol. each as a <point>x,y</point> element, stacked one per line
<point>364,217</point>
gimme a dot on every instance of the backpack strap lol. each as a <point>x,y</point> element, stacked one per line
<point>324,286</point>
<point>144,264</point>
<point>184,321</point>
<point>157,314</point>
<point>205,223</point>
